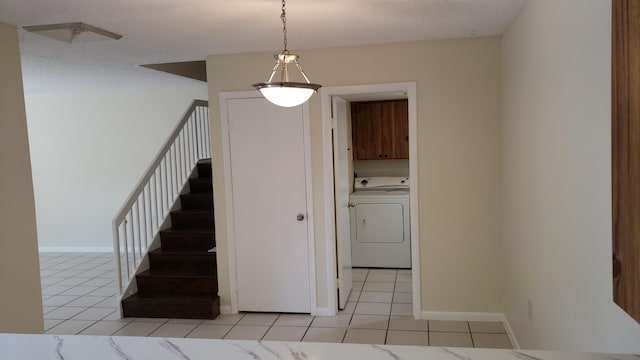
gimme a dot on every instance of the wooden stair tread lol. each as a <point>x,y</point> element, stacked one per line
<point>151,274</point>
<point>201,181</point>
<point>193,211</point>
<point>203,195</point>
<point>168,299</point>
<point>189,230</point>
<point>187,252</point>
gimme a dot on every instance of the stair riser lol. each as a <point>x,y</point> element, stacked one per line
<point>183,264</point>
<point>176,311</point>
<point>204,171</point>
<point>200,186</point>
<point>159,286</point>
<point>173,241</point>
<point>189,312</point>
<point>181,220</point>
<point>191,201</point>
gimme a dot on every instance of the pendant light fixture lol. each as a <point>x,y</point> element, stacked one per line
<point>286,93</point>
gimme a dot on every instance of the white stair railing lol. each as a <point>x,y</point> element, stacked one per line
<point>142,215</point>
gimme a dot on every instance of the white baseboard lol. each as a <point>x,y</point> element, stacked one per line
<point>324,311</point>
<point>462,316</point>
<point>225,310</point>
<point>88,249</point>
<point>472,316</point>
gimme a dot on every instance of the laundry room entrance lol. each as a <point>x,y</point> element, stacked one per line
<point>369,135</point>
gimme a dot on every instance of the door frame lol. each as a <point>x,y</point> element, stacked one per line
<point>230,219</point>
<point>326,94</point>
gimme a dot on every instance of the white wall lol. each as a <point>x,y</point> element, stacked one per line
<point>458,101</point>
<point>557,179</point>
<point>20,294</point>
<point>89,150</point>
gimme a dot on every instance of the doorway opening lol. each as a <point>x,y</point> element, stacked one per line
<point>341,167</point>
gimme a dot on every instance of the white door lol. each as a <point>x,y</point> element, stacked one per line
<point>267,149</point>
<point>343,173</point>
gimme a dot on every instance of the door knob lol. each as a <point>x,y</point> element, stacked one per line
<point>351,204</point>
<point>300,217</point>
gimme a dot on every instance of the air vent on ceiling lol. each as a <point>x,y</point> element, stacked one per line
<point>73,32</point>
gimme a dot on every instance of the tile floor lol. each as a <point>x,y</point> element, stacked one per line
<point>79,298</point>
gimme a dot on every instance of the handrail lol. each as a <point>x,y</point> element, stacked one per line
<point>147,175</point>
<point>141,216</point>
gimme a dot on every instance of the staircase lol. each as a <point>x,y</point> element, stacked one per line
<point>182,278</point>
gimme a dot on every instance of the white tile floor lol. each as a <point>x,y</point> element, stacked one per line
<point>79,298</point>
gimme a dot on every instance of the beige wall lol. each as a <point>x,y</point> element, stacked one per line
<point>458,105</point>
<point>88,152</point>
<point>557,179</point>
<point>20,296</point>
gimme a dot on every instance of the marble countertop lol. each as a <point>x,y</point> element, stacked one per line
<point>74,347</point>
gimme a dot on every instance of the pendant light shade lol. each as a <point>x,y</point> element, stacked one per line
<point>286,93</point>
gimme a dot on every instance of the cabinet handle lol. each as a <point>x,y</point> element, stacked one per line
<point>617,266</point>
<point>300,217</point>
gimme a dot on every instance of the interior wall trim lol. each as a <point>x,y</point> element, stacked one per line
<point>473,316</point>
<point>100,249</point>
<point>408,89</point>
<point>225,310</point>
<point>324,311</point>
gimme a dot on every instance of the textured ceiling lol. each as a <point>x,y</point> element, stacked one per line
<point>157,31</point>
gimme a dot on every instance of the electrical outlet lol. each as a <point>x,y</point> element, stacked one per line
<point>530,310</point>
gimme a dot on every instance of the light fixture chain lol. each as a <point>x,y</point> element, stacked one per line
<point>283,16</point>
<point>284,92</point>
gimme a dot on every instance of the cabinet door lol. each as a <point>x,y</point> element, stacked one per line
<point>398,128</point>
<point>366,131</point>
<point>380,130</point>
<point>625,132</point>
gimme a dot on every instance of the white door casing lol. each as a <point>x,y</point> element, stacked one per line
<point>267,165</point>
<point>343,183</point>
<point>359,93</point>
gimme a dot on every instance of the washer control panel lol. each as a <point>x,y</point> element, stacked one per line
<point>381,183</point>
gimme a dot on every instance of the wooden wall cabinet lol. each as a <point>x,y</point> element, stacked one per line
<point>380,129</point>
<point>625,151</point>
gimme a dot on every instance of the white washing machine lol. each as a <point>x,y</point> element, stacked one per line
<point>380,227</point>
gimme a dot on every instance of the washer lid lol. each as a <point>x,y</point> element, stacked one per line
<point>381,183</point>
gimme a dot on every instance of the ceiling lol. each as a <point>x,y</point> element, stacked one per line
<point>158,31</point>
